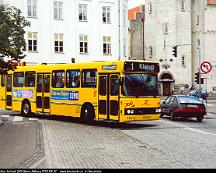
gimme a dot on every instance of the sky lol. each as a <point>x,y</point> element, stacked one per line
<point>134,3</point>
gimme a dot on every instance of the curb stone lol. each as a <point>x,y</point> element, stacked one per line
<point>1,122</point>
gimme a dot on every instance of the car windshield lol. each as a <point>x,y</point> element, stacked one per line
<point>189,99</point>
<point>140,84</point>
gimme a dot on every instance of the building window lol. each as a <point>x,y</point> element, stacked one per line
<point>58,8</point>
<point>32,8</point>
<point>106,15</point>
<point>183,61</point>
<point>58,42</point>
<point>106,45</point>
<point>150,51</point>
<point>32,41</point>
<point>83,43</point>
<point>183,7</point>
<point>165,28</point>
<point>82,12</point>
<point>150,7</point>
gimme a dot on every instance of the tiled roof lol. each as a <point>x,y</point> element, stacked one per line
<point>211,2</point>
<point>132,12</point>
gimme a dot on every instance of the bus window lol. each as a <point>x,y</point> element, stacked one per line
<point>102,85</point>
<point>18,79</point>
<point>30,79</point>
<point>2,80</point>
<point>89,78</point>
<point>58,79</point>
<point>114,85</point>
<point>39,83</point>
<point>73,79</point>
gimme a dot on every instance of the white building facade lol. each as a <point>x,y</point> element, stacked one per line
<point>87,30</point>
<point>174,22</point>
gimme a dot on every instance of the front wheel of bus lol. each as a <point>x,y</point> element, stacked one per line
<point>87,114</point>
<point>26,109</point>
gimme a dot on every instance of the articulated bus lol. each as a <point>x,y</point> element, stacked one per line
<point>119,91</point>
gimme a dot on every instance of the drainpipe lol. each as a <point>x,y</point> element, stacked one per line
<point>119,15</point>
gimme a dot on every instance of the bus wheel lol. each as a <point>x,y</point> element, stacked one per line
<point>87,114</point>
<point>26,109</point>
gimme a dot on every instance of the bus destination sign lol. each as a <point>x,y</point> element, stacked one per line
<point>141,66</point>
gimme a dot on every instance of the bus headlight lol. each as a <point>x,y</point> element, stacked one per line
<point>132,111</point>
<point>158,110</point>
<point>128,111</point>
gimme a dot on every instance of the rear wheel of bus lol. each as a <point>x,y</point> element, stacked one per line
<point>87,114</point>
<point>26,108</point>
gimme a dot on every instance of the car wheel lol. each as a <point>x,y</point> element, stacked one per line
<point>172,116</point>
<point>199,119</point>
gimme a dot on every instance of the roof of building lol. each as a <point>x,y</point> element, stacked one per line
<point>132,12</point>
<point>211,2</point>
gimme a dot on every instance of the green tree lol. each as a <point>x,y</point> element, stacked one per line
<point>12,42</point>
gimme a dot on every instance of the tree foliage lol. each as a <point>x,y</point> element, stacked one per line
<point>12,42</point>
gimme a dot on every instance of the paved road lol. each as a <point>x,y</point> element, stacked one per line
<point>65,143</point>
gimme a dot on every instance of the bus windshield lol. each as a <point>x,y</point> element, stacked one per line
<point>140,84</point>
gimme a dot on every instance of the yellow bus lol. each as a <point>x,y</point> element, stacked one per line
<point>118,91</point>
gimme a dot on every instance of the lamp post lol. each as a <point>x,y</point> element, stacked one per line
<point>143,31</point>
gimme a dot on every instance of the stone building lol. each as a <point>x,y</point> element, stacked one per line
<point>189,25</point>
<point>136,46</point>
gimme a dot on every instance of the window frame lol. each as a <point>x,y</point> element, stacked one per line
<point>54,78</point>
<point>83,12</point>
<point>107,45</point>
<point>106,14</point>
<point>83,78</point>
<point>15,84</point>
<point>84,43</point>
<point>58,42</point>
<point>27,80</point>
<point>58,10</point>
<point>32,8</point>
<point>68,78</point>
<point>33,38</point>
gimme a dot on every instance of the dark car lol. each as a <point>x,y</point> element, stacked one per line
<point>198,94</point>
<point>183,106</point>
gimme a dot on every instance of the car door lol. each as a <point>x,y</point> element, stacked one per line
<point>165,105</point>
<point>173,104</point>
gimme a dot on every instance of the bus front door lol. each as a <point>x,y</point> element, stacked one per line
<point>43,93</point>
<point>9,92</point>
<point>108,102</point>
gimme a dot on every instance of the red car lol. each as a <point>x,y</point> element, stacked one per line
<point>183,106</point>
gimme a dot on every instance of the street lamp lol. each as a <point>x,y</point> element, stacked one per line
<point>143,51</point>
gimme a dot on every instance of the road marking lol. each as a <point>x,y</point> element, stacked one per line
<point>192,129</point>
<point>17,118</point>
<point>33,119</point>
<point>5,117</point>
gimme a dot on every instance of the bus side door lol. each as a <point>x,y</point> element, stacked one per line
<point>2,92</point>
<point>108,101</point>
<point>9,92</point>
<point>43,93</point>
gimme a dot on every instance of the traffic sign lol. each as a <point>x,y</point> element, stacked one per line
<point>206,67</point>
<point>206,76</point>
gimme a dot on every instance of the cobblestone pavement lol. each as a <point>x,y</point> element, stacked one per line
<point>73,145</point>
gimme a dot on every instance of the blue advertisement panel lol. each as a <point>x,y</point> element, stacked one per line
<point>64,95</point>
